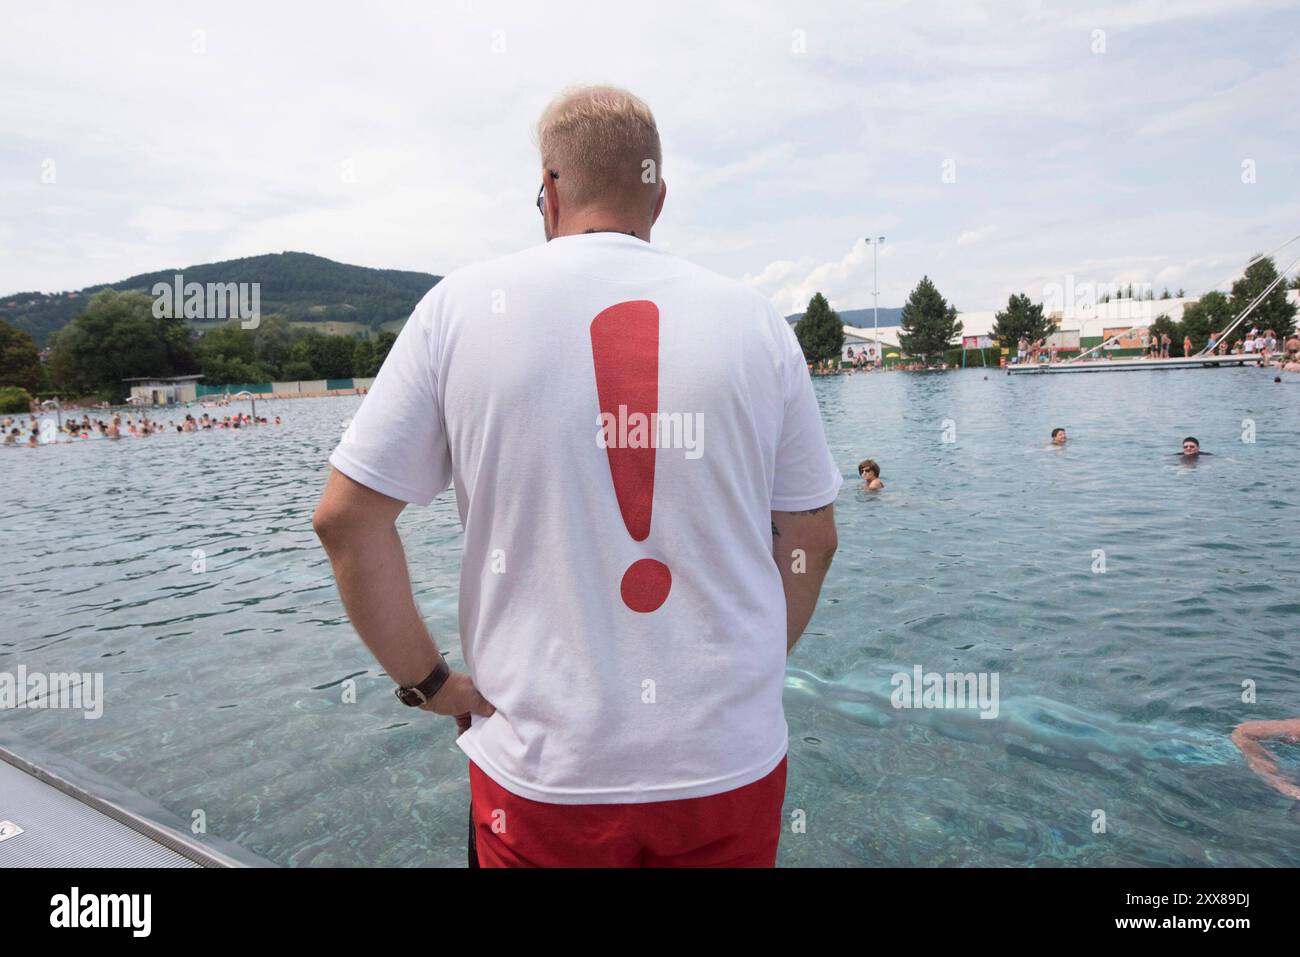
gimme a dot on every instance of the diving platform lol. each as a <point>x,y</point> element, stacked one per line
<point>46,820</point>
<point>1134,365</point>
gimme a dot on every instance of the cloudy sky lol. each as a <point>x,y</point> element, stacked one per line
<point>998,146</point>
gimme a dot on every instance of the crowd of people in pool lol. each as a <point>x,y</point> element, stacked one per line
<point>35,433</point>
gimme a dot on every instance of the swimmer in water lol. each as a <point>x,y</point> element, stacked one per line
<point>869,472</point>
<point>1247,737</point>
<point>1058,436</point>
<point>1192,449</point>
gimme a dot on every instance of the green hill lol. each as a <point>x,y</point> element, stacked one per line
<point>299,286</point>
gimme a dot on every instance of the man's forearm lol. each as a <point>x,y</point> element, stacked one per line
<point>803,545</point>
<point>801,592</point>
<point>375,585</point>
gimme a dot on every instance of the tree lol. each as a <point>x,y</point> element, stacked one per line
<point>1275,312</point>
<point>363,358</point>
<point>1021,318</point>
<point>820,331</point>
<point>20,363</point>
<point>272,340</point>
<point>383,343</point>
<point>1211,314</point>
<point>928,323</point>
<point>329,356</point>
<point>116,338</point>
<point>14,399</point>
<point>228,356</point>
<point>296,369</point>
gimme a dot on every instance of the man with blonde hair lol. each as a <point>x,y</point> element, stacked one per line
<point>647,499</point>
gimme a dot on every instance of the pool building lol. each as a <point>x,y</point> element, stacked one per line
<point>168,390</point>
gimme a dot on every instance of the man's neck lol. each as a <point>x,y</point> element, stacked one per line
<point>596,221</point>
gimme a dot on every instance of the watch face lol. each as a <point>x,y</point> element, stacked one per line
<point>410,696</point>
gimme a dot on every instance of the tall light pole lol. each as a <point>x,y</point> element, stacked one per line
<point>875,294</point>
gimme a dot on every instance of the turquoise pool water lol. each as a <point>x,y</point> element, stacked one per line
<point>225,689</point>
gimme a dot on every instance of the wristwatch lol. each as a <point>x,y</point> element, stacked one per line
<point>417,695</point>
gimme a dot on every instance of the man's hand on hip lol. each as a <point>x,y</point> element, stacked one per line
<point>458,697</point>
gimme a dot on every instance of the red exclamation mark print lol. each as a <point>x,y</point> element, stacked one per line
<point>625,349</point>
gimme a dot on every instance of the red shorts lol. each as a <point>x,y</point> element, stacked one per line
<point>737,828</point>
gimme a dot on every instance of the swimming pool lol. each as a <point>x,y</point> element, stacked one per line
<point>226,688</point>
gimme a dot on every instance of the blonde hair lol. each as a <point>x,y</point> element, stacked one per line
<point>604,145</point>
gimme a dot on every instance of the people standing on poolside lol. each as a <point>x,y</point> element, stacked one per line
<point>869,472</point>
<point>1058,436</point>
<point>1187,346</point>
<point>1165,342</point>
<point>1022,349</point>
<point>1267,345</point>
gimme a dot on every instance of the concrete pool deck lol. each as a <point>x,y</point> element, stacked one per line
<point>48,821</point>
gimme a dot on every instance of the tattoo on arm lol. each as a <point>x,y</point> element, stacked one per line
<point>776,532</point>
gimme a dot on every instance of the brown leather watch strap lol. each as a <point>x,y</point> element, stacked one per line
<point>417,695</point>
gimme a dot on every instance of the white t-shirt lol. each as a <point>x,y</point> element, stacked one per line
<point>493,383</point>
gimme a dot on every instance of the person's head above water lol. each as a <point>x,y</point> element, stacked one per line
<point>869,472</point>
<point>1191,446</point>
<point>1058,436</point>
<point>601,162</point>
